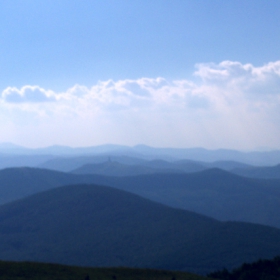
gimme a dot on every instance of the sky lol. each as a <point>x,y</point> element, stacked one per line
<point>180,73</point>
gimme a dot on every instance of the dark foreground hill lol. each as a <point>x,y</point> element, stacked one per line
<point>214,192</point>
<point>43,271</point>
<point>260,270</point>
<point>88,225</point>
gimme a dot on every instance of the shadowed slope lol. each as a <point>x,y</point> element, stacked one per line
<point>214,192</point>
<point>101,226</point>
<point>43,271</point>
<point>16,183</point>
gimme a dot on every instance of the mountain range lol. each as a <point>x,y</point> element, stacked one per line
<point>146,152</point>
<point>90,225</point>
<point>212,192</point>
<point>177,209</point>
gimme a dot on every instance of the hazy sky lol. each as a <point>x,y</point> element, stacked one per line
<point>180,73</point>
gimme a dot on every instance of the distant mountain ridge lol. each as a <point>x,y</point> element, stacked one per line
<point>266,172</point>
<point>146,152</point>
<point>115,168</point>
<point>110,168</point>
<point>7,161</point>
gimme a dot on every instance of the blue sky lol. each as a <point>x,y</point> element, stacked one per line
<point>182,73</point>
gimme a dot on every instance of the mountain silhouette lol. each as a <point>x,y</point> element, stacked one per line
<point>89,225</point>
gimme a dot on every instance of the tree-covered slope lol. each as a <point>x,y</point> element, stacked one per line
<point>214,192</point>
<point>211,192</point>
<point>90,225</point>
<point>44,271</point>
<point>16,183</point>
<point>260,270</point>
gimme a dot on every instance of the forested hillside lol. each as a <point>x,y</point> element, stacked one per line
<point>43,271</point>
<point>209,192</point>
<point>91,225</point>
<point>260,270</point>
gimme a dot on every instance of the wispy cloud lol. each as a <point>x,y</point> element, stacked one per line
<point>227,104</point>
<point>26,94</point>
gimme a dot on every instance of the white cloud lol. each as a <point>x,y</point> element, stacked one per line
<point>234,76</point>
<point>230,104</point>
<point>27,94</point>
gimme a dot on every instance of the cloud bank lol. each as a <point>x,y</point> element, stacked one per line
<point>27,94</point>
<point>227,105</point>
